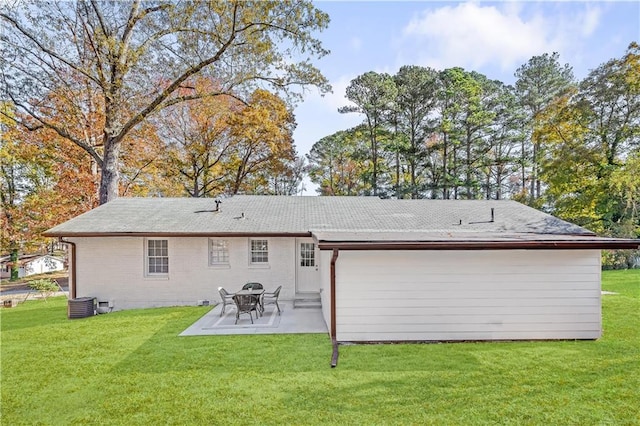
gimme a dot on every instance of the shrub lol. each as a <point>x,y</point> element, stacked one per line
<point>620,259</point>
<point>45,286</point>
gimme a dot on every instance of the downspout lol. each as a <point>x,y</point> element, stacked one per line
<point>334,341</point>
<point>72,272</point>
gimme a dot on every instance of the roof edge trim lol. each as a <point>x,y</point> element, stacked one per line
<point>177,234</point>
<point>479,245</point>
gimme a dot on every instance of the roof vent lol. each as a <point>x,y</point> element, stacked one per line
<point>218,202</point>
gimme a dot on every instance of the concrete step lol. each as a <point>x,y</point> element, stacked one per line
<point>307,301</point>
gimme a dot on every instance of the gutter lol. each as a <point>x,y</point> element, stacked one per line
<point>334,341</point>
<point>72,272</point>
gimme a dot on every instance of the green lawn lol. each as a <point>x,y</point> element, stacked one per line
<point>132,368</point>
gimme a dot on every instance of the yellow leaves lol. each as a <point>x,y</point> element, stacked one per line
<point>266,122</point>
<point>262,142</point>
<point>217,144</point>
<point>625,182</point>
<point>631,62</point>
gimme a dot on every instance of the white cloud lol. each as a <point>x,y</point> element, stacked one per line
<point>472,35</point>
<point>590,20</point>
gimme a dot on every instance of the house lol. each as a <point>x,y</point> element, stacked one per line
<point>383,270</point>
<point>31,264</point>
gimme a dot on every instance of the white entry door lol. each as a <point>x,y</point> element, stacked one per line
<point>307,274</point>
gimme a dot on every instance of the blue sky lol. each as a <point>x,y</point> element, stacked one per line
<point>493,38</point>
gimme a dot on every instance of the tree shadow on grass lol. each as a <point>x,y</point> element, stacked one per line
<point>165,351</point>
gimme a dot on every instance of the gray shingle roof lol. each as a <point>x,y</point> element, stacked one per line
<point>245,214</point>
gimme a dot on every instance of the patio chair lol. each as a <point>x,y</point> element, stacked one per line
<point>271,299</point>
<point>226,297</point>
<point>245,304</point>
<point>251,286</point>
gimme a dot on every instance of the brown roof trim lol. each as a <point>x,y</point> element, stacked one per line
<point>179,234</point>
<point>480,245</point>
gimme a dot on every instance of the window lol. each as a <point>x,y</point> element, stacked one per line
<point>218,252</point>
<point>307,254</point>
<point>259,251</point>
<point>157,257</point>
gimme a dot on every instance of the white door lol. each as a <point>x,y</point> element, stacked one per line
<point>307,275</point>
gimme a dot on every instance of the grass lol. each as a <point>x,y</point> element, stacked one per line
<point>132,368</point>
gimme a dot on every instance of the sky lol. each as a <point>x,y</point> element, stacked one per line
<point>492,38</point>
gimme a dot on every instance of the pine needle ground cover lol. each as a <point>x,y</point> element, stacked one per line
<point>132,368</point>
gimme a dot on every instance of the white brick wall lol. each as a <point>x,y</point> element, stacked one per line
<point>112,268</point>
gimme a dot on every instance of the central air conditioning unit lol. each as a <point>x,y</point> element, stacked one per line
<point>81,307</point>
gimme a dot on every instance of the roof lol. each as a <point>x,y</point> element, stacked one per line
<point>330,219</point>
<point>27,258</point>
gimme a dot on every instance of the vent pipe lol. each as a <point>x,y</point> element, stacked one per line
<point>492,215</point>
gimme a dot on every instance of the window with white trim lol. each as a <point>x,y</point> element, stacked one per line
<point>157,258</point>
<point>218,252</point>
<point>258,252</point>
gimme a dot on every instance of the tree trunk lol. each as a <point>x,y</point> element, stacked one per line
<point>398,175</point>
<point>523,170</point>
<point>374,151</point>
<point>445,188</point>
<point>110,175</point>
<point>468,167</point>
<point>412,163</point>
<point>534,171</point>
<point>15,265</point>
<point>397,149</point>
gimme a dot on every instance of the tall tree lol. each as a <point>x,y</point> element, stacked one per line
<point>336,163</point>
<point>506,135</point>
<point>478,113</point>
<point>372,95</point>
<point>571,168</point>
<point>43,179</point>
<point>450,108</point>
<point>612,94</point>
<point>135,57</point>
<point>417,95</point>
<point>539,82</point>
<point>284,178</point>
<point>198,136</point>
<point>593,135</point>
<point>146,167</point>
<point>261,145</point>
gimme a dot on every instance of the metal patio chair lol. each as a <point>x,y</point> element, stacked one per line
<point>226,297</point>
<point>245,304</point>
<point>271,299</point>
<point>252,286</point>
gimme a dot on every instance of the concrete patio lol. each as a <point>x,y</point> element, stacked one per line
<point>291,321</point>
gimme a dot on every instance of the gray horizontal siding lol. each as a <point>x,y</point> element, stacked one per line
<point>429,295</point>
